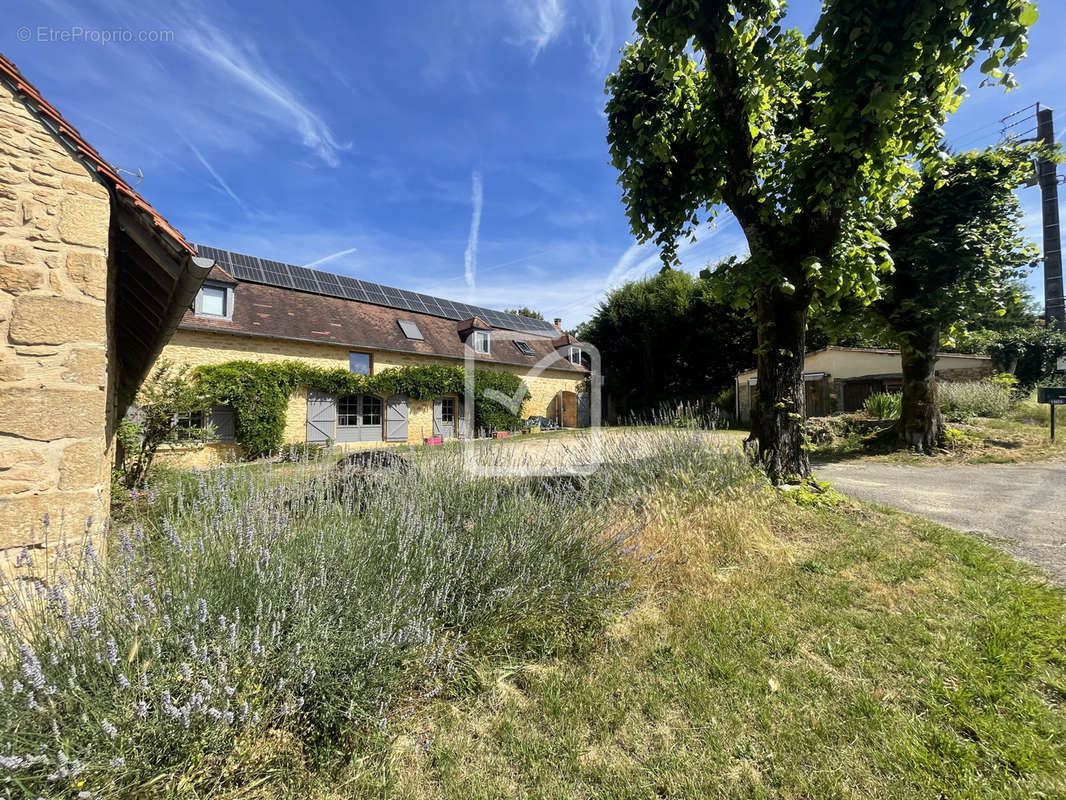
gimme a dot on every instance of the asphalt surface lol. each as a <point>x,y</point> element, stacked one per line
<point>1020,508</point>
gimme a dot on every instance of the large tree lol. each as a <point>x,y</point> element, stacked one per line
<point>668,339</point>
<point>808,141</point>
<point>959,253</point>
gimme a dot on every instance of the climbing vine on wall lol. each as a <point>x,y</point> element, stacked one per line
<point>259,393</point>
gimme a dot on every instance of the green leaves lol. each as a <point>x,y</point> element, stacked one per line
<point>259,393</point>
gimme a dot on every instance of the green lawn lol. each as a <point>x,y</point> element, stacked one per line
<point>773,651</point>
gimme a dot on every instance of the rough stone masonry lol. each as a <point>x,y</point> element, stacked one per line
<point>55,394</point>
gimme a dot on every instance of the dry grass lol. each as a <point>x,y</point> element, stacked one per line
<point>773,651</point>
<point>979,441</point>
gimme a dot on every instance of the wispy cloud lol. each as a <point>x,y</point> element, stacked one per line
<point>470,257</point>
<point>538,22</point>
<point>240,62</point>
<point>332,256</point>
<point>214,174</point>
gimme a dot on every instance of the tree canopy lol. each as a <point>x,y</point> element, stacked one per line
<point>525,311</point>
<point>808,140</point>
<point>959,252</point>
<point>667,339</point>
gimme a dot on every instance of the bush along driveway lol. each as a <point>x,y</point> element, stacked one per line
<point>1018,507</point>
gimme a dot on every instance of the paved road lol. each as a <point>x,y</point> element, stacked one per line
<point>1019,507</point>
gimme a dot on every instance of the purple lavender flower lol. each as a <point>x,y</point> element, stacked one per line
<point>112,652</point>
<point>108,728</point>
<point>31,667</point>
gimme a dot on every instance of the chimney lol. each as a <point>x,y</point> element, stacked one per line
<point>559,323</point>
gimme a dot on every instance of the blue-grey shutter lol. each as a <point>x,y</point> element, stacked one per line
<point>321,417</point>
<point>396,418</point>
<point>221,420</point>
<point>438,424</point>
<point>460,410</point>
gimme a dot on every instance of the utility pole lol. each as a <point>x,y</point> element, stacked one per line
<point>1048,178</point>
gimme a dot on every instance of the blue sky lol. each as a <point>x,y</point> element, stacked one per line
<point>456,148</point>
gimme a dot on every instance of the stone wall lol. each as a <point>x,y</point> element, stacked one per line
<point>55,387</point>
<point>975,373</point>
<point>196,348</point>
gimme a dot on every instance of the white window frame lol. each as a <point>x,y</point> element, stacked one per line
<point>574,356</point>
<point>482,342</point>
<point>227,300</point>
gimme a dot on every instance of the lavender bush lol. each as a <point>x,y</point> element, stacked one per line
<point>310,600</point>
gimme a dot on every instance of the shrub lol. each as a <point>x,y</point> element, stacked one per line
<point>1031,354</point>
<point>966,400</point>
<point>164,398</point>
<point>883,405</point>
<point>307,604</point>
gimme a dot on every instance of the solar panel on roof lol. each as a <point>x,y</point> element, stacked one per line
<point>275,273</point>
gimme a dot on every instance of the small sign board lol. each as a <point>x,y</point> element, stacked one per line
<point>1051,394</point>
<point>1054,396</point>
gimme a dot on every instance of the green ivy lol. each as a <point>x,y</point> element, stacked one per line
<point>259,393</point>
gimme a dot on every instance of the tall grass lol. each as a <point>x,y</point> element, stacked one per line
<point>965,400</point>
<point>313,602</point>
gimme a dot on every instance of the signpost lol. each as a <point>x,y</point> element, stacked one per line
<point>1054,396</point>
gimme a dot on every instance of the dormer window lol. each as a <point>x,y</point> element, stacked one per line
<point>214,300</point>
<point>482,342</point>
<point>574,355</point>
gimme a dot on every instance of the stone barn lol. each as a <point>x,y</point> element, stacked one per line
<point>92,283</point>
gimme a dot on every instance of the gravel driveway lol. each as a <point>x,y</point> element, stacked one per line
<point>1020,508</point>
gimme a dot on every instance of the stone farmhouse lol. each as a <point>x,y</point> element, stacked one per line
<point>841,378</point>
<point>256,309</point>
<point>92,283</point>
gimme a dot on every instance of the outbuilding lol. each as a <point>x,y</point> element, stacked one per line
<point>839,379</point>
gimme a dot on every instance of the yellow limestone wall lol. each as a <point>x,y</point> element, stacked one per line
<point>55,388</point>
<point>196,348</point>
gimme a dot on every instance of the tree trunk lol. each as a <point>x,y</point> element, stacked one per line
<point>777,421</point>
<point>920,424</point>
